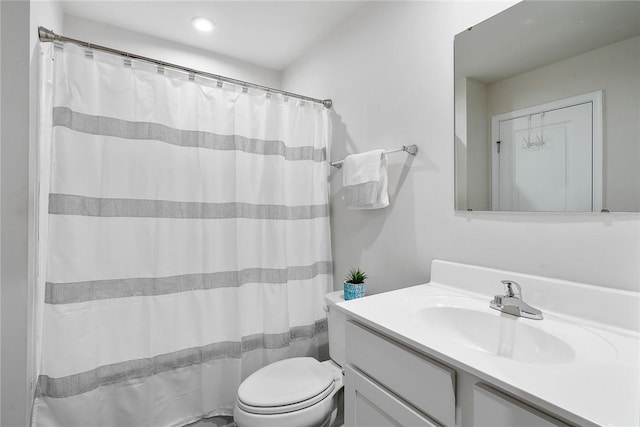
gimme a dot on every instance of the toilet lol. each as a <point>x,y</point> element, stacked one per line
<point>300,391</point>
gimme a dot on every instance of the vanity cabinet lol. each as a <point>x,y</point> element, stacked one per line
<point>390,384</point>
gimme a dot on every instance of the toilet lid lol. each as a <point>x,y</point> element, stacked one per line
<point>300,382</point>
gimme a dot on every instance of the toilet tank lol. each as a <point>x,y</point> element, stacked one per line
<point>336,323</point>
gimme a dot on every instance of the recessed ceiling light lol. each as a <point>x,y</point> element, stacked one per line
<point>202,24</point>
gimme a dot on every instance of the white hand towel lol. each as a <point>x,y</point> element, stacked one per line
<point>364,180</point>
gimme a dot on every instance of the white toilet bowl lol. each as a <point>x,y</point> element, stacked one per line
<point>290,393</point>
<point>297,392</point>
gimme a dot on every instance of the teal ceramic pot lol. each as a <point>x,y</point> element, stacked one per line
<point>353,290</point>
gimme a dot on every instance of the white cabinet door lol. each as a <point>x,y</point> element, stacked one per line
<point>424,383</point>
<point>492,408</point>
<point>367,404</point>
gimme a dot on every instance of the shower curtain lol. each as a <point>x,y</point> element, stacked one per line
<point>183,240</point>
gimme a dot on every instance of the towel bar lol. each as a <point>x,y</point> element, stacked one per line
<point>411,149</point>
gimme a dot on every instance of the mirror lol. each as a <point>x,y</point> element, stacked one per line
<point>547,109</point>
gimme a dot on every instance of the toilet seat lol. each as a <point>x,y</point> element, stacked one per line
<point>282,409</point>
<point>286,386</point>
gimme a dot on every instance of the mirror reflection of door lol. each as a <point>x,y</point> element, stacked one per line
<point>545,156</point>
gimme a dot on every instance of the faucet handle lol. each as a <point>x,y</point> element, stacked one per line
<point>509,285</point>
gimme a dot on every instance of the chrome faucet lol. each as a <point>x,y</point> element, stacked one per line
<point>512,303</point>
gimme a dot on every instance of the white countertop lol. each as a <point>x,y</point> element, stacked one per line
<point>599,384</point>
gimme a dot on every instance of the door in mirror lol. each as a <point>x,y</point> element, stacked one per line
<point>547,157</point>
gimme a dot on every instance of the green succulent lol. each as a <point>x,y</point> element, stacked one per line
<point>356,276</point>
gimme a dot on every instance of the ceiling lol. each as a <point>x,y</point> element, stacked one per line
<point>271,34</point>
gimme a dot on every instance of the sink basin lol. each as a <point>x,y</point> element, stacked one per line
<point>503,335</point>
<point>469,322</point>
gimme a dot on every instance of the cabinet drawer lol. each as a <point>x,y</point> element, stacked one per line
<point>422,382</point>
<point>369,405</point>
<point>492,408</point>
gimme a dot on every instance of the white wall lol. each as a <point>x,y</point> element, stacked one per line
<point>0,216</point>
<point>389,71</point>
<point>614,69</point>
<point>153,47</point>
<point>14,155</point>
<point>472,149</point>
<point>461,143</point>
<point>479,148</point>
<point>19,22</point>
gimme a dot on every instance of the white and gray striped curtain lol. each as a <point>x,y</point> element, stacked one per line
<point>184,240</point>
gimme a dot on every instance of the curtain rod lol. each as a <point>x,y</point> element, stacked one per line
<point>46,35</point>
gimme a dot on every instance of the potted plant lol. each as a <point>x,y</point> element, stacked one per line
<point>354,285</point>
